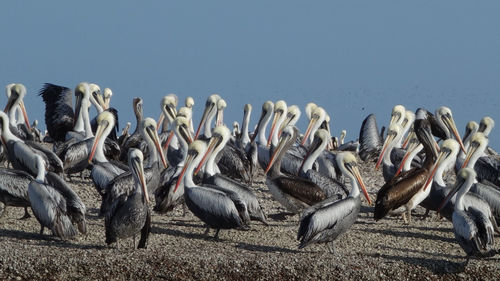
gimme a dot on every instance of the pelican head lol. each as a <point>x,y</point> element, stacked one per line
<point>82,95</point>
<point>310,107</point>
<point>397,115</point>
<point>135,162</point>
<point>449,150</point>
<point>189,102</point>
<point>470,129</point>
<point>267,110</point>
<point>279,116</point>
<point>181,127</point>
<point>185,112</point>
<point>96,97</point>
<point>292,116</point>
<point>105,123</point>
<point>220,136</point>
<point>393,136</point>
<point>210,106</point>
<point>107,97</point>
<point>221,104</point>
<point>445,118</point>
<point>247,108</point>
<point>148,126</point>
<point>465,178</point>
<point>168,108</point>
<point>321,138</point>
<point>478,144</point>
<point>289,134</point>
<point>486,125</point>
<point>348,164</point>
<point>195,151</point>
<point>317,117</point>
<point>17,93</point>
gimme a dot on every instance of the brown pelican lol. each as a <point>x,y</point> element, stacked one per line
<point>236,130</point>
<point>407,190</point>
<point>14,189</point>
<point>221,105</point>
<point>244,139</point>
<point>129,214</point>
<point>473,230</point>
<point>470,129</point>
<point>106,96</point>
<point>260,133</point>
<point>165,197</point>
<point>329,185</point>
<point>55,204</point>
<point>217,208</point>
<point>397,115</point>
<point>412,149</point>
<point>189,103</point>
<point>487,167</point>
<point>326,220</point>
<point>486,125</point>
<point>292,116</point>
<point>219,140</point>
<point>21,153</point>
<point>102,170</point>
<point>293,192</point>
<point>122,184</point>
<point>125,134</point>
<point>208,115</point>
<point>310,107</point>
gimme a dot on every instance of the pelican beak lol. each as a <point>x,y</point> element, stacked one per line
<point>160,120</point>
<point>206,112</point>
<point>154,136</point>
<point>436,165</point>
<point>139,170</point>
<point>78,105</point>
<point>408,138</point>
<point>23,109</point>
<point>273,126</point>
<point>213,142</point>
<point>98,135</point>
<point>357,175</point>
<point>284,124</point>
<point>454,190</point>
<point>388,140</point>
<point>308,131</point>
<point>10,101</point>
<point>220,117</point>
<point>409,151</point>
<point>277,151</point>
<point>472,149</point>
<point>169,139</point>
<point>181,175</point>
<point>450,123</point>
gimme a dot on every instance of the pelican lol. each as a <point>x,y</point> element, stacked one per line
<point>486,125</point>
<point>15,101</point>
<point>107,97</point>
<point>221,105</point>
<point>129,214</point>
<point>122,184</point>
<point>219,209</point>
<point>208,115</point>
<point>310,107</point>
<point>189,103</point>
<point>135,138</point>
<point>470,129</point>
<point>244,138</point>
<point>326,220</point>
<point>317,118</point>
<point>292,116</point>
<point>125,134</point>
<point>21,154</point>
<point>407,190</point>
<point>14,189</point>
<point>487,167</point>
<point>165,197</point>
<point>394,135</point>
<point>54,204</point>
<point>236,130</point>
<point>473,230</point>
<point>220,139</point>
<point>446,122</point>
<point>260,133</point>
<point>329,185</point>
<point>293,192</point>
<point>280,108</point>
<point>102,170</point>
<point>436,128</point>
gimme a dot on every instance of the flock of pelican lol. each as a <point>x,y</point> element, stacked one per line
<point>210,171</point>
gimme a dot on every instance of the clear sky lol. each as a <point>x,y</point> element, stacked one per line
<point>351,57</point>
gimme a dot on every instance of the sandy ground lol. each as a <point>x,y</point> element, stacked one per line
<point>178,249</point>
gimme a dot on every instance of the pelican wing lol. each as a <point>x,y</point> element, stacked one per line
<point>301,189</point>
<point>15,182</point>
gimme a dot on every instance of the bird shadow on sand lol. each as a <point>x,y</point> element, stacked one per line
<point>410,234</point>
<point>178,233</point>
<point>46,240</point>
<point>183,223</point>
<point>264,249</point>
<point>280,216</point>
<point>436,265</point>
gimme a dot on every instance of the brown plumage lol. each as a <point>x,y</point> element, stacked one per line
<point>400,191</point>
<point>291,191</point>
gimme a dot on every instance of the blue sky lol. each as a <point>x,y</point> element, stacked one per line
<point>351,57</point>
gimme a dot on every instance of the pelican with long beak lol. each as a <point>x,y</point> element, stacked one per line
<point>394,135</point>
<point>279,116</point>
<point>168,111</point>
<point>208,115</point>
<point>317,118</point>
<point>219,119</point>
<point>292,116</point>
<point>446,122</point>
<point>473,230</point>
<point>131,214</point>
<point>397,115</point>
<point>106,97</point>
<point>326,220</point>
<point>17,93</point>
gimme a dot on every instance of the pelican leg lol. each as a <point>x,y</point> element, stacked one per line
<point>41,230</point>
<point>26,214</point>
<point>207,230</point>
<point>331,247</point>
<point>405,221</point>
<point>81,175</point>
<point>409,216</point>
<point>216,236</point>
<point>426,215</point>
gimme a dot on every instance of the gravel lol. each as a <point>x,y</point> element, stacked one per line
<point>178,249</point>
